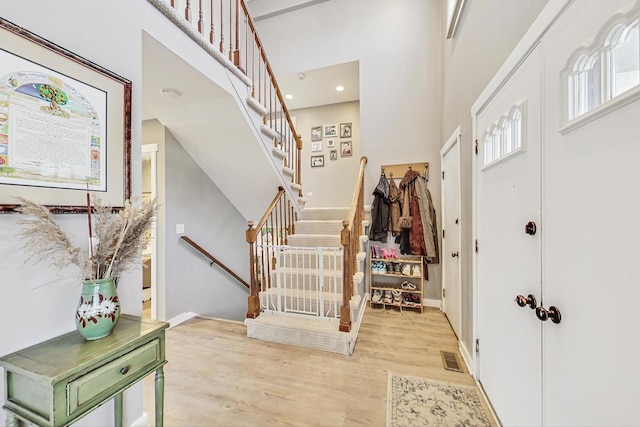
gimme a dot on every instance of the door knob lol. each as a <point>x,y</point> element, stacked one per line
<point>530,300</point>
<point>552,313</point>
<point>454,254</point>
<point>530,228</point>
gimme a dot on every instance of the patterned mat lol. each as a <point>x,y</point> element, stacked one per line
<point>413,401</point>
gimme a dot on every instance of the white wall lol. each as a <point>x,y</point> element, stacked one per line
<point>398,46</point>
<point>487,33</point>
<point>331,185</point>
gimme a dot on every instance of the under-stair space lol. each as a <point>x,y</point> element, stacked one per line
<point>301,306</point>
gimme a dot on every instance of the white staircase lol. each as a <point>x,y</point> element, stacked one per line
<point>312,318</point>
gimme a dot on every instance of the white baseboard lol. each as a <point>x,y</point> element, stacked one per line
<point>181,318</point>
<point>143,421</point>
<point>436,303</point>
<point>468,360</point>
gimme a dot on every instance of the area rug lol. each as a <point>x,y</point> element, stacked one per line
<point>413,401</point>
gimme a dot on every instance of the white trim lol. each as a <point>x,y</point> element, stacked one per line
<point>435,303</point>
<point>529,41</point>
<point>488,402</point>
<point>143,421</point>
<point>455,138</point>
<point>466,356</point>
<point>257,106</point>
<point>152,151</point>
<point>602,110</point>
<point>181,318</point>
<point>472,248</point>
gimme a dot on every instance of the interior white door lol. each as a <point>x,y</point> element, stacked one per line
<point>508,261</point>
<point>451,238</point>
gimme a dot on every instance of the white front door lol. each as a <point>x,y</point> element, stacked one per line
<point>451,231</point>
<point>508,262</point>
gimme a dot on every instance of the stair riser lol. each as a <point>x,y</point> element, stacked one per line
<point>318,227</point>
<point>310,241</point>
<point>328,213</point>
<point>305,261</point>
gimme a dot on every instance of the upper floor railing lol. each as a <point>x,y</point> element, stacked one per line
<point>226,30</point>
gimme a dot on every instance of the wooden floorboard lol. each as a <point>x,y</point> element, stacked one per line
<point>216,376</point>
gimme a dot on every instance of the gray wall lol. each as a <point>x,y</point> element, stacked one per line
<point>331,185</point>
<point>192,199</point>
<point>487,33</point>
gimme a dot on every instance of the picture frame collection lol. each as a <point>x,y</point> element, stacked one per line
<point>330,133</point>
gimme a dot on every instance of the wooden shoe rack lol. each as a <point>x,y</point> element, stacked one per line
<point>390,281</point>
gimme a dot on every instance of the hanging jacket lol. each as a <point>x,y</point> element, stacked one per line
<point>380,211</point>
<point>394,208</point>
<point>429,224</point>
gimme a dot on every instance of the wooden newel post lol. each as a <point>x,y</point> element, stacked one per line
<point>347,278</point>
<point>253,302</point>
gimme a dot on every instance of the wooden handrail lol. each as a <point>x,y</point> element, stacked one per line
<point>269,210</point>
<point>350,240</point>
<point>214,260</point>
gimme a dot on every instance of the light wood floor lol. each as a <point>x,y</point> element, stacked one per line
<point>216,376</point>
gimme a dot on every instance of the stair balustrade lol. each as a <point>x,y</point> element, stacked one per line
<point>226,30</point>
<point>350,240</point>
<point>272,230</point>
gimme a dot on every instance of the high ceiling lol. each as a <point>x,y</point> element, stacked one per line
<point>318,86</point>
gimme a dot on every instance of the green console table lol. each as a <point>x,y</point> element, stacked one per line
<point>58,381</point>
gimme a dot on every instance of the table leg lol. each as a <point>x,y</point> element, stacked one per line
<point>12,420</point>
<point>159,397</point>
<point>117,409</point>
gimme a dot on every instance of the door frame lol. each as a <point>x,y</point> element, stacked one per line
<point>455,138</point>
<point>152,151</point>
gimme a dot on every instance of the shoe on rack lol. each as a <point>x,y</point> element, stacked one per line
<point>406,269</point>
<point>415,271</point>
<point>397,297</point>
<point>384,253</point>
<point>377,295</point>
<point>392,253</point>
<point>374,252</point>
<point>388,298</point>
<point>405,285</point>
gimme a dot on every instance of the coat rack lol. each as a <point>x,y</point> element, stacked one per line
<point>398,170</point>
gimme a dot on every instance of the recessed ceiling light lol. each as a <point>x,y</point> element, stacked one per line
<point>288,96</point>
<point>169,93</point>
<point>339,88</point>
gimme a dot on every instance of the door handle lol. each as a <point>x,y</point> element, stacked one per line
<point>530,228</point>
<point>530,300</point>
<point>552,313</point>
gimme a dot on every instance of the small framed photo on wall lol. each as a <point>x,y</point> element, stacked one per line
<point>316,133</point>
<point>345,149</point>
<point>333,155</point>
<point>345,130</point>
<point>330,131</point>
<point>331,143</point>
<point>316,146</point>
<point>317,161</point>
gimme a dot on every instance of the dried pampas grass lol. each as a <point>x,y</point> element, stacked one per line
<point>117,237</point>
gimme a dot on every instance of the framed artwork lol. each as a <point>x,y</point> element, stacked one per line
<point>316,146</point>
<point>333,155</point>
<point>317,161</point>
<point>345,130</point>
<point>316,133</point>
<point>330,131</point>
<point>65,126</point>
<point>345,149</point>
<point>331,143</point>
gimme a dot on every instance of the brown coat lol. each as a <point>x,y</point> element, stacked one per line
<point>394,208</point>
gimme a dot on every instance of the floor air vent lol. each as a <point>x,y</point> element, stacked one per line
<point>450,361</point>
